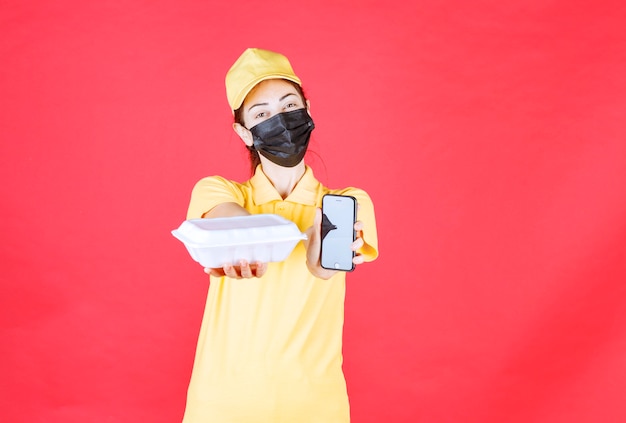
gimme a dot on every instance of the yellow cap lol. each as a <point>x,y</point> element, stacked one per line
<point>253,66</point>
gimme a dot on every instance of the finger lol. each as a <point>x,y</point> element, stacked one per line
<point>317,225</point>
<point>358,226</point>
<point>313,232</point>
<point>358,259</point>
<point>358,243</point>
<point>246,272</point>
<point>214,272</point>
<point>261,268</point>
<point>313,249</point>
<point>230,271</point>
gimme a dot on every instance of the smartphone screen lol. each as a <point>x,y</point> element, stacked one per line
<point>338,217</point>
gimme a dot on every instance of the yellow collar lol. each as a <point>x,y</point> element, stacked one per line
<point>305,192</point>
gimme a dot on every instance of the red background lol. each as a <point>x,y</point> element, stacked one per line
<point>491,136</point>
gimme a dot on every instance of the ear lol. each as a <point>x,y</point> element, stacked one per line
<point>244,133</point>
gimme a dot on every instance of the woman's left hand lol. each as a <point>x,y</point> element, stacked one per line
<point>314,243</point>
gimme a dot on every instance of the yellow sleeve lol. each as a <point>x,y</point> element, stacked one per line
<point>366,215</point>
<point>211,191</point>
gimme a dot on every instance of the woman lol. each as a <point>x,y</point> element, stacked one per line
<point>269,348</point>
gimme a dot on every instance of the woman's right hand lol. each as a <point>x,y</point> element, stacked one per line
<point>244,270</point>
<point>313,248</point>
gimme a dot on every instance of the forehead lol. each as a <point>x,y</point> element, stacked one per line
<point>269,90</point>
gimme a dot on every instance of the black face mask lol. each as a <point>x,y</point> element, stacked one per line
<point>284,138</point>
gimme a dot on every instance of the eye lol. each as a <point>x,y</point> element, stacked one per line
<point>260,115</point>
<point>291,105</point>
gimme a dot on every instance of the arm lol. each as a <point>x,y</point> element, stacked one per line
<point>214,197</point>
<point>226,210</point>
<point>234,270</point>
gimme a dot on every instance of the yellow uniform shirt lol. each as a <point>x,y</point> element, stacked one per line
<point>269,349</point>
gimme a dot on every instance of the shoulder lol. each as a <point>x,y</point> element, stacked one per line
<point>215,181</point>
<point>215,185</point>
<point>362,197</point>
<point>213,190</point>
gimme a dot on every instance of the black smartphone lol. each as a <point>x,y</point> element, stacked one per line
<point>338,218</point>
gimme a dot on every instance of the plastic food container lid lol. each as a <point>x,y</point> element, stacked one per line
<point>219,241</point>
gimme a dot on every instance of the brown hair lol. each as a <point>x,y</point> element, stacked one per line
<point>253,154</point>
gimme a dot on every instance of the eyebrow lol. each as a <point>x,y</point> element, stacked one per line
<point>267,104</point>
